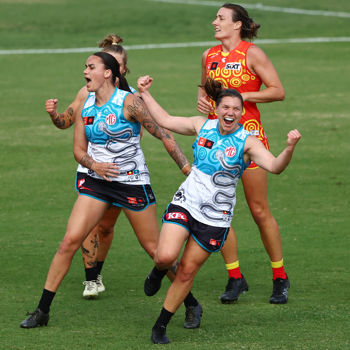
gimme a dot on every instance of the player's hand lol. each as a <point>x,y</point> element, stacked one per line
<point>293,137</point>
<point>51,106</point>
<point>144,83</point>
<point>204,106</point>
<point>106,170</point>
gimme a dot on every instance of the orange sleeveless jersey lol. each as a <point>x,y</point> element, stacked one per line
<point>232,71</point>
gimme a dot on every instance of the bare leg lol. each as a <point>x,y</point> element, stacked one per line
<point>85,215</point>
<point>255,189</point>
<point>229,250</point>
<point>96,245</point>
<point>193,258</point>
<point>106,231</point>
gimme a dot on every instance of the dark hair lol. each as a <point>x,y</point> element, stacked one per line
<point>249,28</point>
<point>111,63</point>
<point>216,92</point>
<point>111,44</point>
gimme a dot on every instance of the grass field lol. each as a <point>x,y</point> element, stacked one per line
<point>310,199</point>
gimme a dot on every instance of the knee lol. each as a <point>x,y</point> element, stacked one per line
<point>164,258</point>
<point>69,245</point>
<point>260,211</point>
<point>186,272</point>
<point>105,229</point>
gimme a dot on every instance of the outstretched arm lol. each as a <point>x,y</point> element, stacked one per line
<point>135,109</point>
<point>265,159</point>
<point>67,118</point>
<point>180,125</point>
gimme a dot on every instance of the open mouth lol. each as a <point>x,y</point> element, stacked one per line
<point>228,121</point>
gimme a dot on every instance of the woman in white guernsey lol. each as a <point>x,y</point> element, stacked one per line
<point>201,211</point>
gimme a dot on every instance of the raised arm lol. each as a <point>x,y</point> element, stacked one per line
<point>265,159</point>
<point>180,125</point>
<point>135,109</point>
<point>80,145</point>
<point>67,118</point>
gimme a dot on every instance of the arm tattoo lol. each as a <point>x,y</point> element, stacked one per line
<point>64,120</point>
<point>70,113</point>
<point>139,111</point>
<point>86,161</point>
<point>58,120</point>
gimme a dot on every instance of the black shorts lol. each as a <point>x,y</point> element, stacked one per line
<point>133,197</point>
<point>210,238</point>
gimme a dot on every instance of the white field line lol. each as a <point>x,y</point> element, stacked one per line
<point>263,8</point>
<point>176,45</point>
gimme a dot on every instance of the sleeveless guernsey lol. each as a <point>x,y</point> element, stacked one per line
<point>114,139</point>
<point>209,192</point>
<point>232,71</point>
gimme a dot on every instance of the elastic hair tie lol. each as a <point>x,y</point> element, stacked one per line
<point>116,44</point>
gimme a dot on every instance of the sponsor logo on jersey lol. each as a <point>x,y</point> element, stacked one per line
<point>254,132</point>
<point>230,151</point>
<point>214,65</point>
<point>233,66</point>
<point>205,143</point>
<point>176,216</point>
<point>88,120</point>
<point>134,200</point>
<point>132,172</point>
<point>111,119</point>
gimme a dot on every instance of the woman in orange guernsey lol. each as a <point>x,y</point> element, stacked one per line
<point>245,67</point>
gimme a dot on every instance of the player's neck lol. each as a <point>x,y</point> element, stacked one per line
<point>230,43</point>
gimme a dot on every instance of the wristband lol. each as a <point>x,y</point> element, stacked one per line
<point>186,169</point>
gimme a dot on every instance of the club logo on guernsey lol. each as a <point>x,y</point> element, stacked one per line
<point>176,216</point>
<point>111,119</point>
<point>205,143</point>
<point>230,151</point>
<point>214,65</point>
<point>233,66</point>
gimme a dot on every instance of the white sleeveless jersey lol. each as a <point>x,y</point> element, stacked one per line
<point>209,192</point>
<point>114,139</point>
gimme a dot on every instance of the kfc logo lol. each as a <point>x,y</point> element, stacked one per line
<point>176,216</point>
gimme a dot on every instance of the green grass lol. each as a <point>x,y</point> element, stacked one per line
<point>310,199</point>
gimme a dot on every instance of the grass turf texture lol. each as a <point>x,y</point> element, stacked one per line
<point>310,199</point>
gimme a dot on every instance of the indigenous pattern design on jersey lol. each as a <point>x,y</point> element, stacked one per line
<point>114,139</point>
<point>209,192</point>
<point>82,169</point>
<point>231,69</point>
